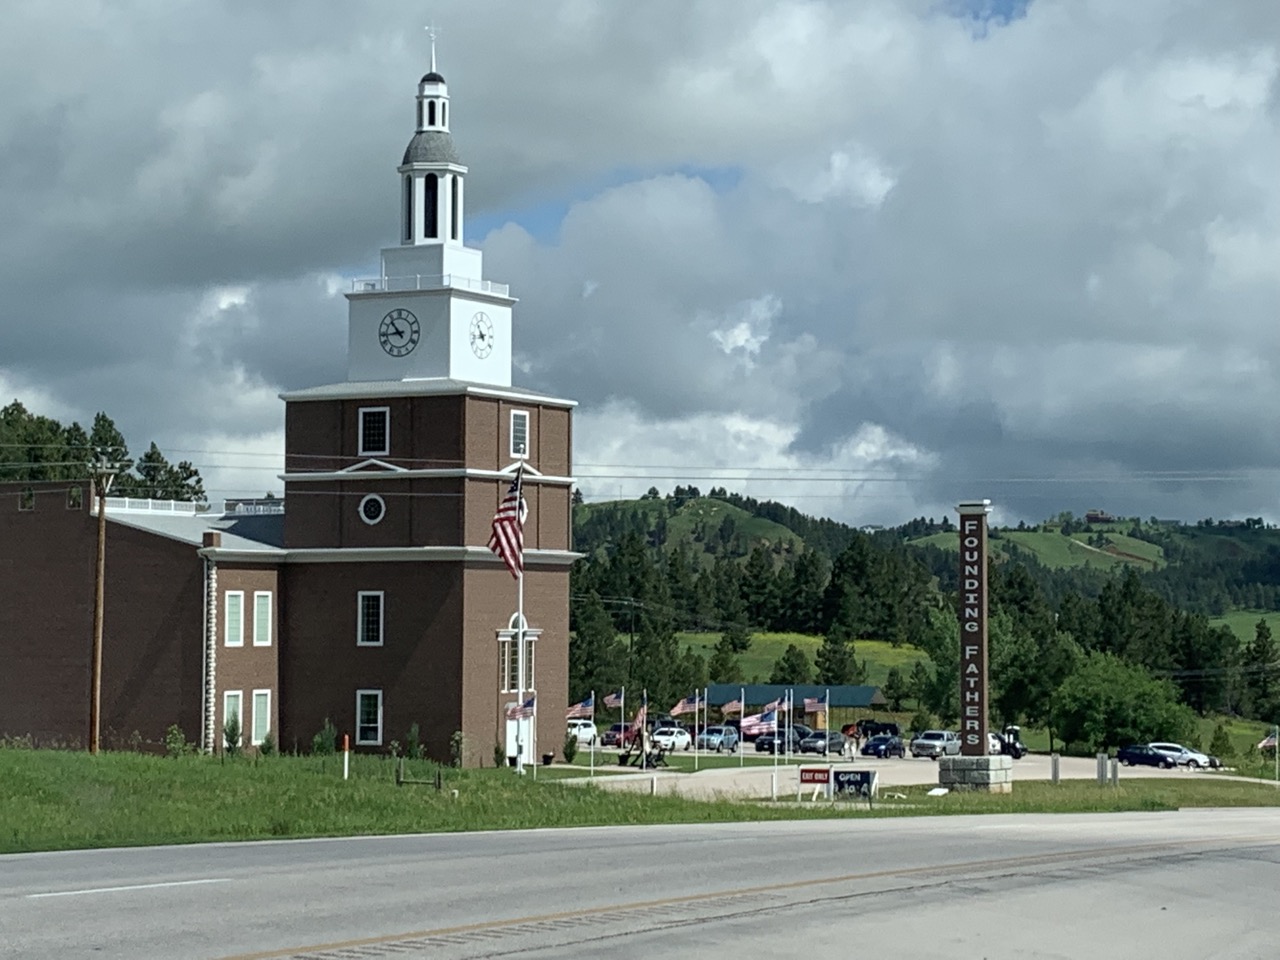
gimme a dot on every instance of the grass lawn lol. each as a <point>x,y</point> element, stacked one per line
<point>766,648</point>
<point>1243,622</point>
<point>58,800</point>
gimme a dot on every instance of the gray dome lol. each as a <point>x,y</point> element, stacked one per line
<point>432,77</point>
<point>431,146</point>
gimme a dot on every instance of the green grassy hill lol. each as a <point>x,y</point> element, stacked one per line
<point>757,663</point>
<point>1057,551</point>
<point>1244,622</point>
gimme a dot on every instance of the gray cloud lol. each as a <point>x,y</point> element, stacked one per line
<point>942,253</point>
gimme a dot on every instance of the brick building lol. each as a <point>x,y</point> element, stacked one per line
<point>367,594</point>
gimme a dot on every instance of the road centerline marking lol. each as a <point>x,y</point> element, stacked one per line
<point>121,889</point>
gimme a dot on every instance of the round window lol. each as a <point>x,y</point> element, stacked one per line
<point>372,509</point>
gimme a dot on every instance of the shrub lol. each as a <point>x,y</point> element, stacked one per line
<point>570,748</point>
<point>499,755</point>
<point>923,720</point>
<point>268,746</point>
<point>325,743</point>
<point>1221,745</point>
<point>231,736</point>
<point>175,742</point>
<point>413,742</point>
<point>457,748</point>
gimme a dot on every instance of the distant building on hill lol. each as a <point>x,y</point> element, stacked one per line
<point>1098,516</point>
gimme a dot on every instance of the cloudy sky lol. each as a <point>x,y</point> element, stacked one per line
<point>869,257</point>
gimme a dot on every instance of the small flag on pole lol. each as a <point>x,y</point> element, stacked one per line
<point>613,700</point>
<point>687,705</point>
<point>812,704</point>
<point>733,706</point>
<point>759,723</point>
<point>519,711</point>
<point>1268,742</point>
<point>587,708</point>
<point>507,538</point>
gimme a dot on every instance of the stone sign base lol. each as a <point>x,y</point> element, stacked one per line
<point>990,774</point>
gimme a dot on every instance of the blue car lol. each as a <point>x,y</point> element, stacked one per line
<point>719,739</point>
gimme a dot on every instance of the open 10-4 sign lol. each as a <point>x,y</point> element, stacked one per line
<point>973,627</point>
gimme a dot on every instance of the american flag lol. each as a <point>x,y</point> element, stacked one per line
<point>507,539</point>
<point>693,703</point>
<point>587,708</point>
<point>638,723</point>
<point>812,704</point>
<point>1268,742</point>
<point>518,711</point>
<point>779,704</point>
<point>614,700</point>
<point>733,706</point>
<point>759,723</point>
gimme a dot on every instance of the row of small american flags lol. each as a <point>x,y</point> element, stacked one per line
<point>763,722</point>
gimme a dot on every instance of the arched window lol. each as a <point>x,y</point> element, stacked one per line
<point>419,114</point>
<point>408,208</point>
<point>430,206</point>
<point>453,207</point>
<point>431,113</point>
<point>443,121</point>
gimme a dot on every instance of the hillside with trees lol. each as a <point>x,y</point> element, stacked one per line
<point>1118,647</point>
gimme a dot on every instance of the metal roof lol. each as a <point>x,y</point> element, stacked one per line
<point>263,532</point>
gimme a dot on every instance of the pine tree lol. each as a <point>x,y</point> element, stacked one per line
<point>895,689</point>
<point>836,662</point>
<point>724,666</point>
<point>792,667</point>
<point>597,658</point>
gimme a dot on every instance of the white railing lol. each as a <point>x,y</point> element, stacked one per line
<point>426,282</point>
<point>253,508</point>
<point>142,505</point>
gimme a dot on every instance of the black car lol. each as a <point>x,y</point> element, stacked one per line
<point>782,743</point>
<point>884,745</point>
<point>1140,755</point>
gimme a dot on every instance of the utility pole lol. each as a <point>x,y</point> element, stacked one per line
<point>104,473</point>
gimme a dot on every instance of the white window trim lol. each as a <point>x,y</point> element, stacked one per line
<point>365,499</point>
<point>508,652</point>
<point>254,739</point>
<point>378,741</point>
<point>365,451</point>
<point>257,641</point>
<point>228,619</point>
<point>382,617</point>
<point>515,454</point>
<point>227,697</point>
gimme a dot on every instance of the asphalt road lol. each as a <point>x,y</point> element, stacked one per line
<point>1191,884</point>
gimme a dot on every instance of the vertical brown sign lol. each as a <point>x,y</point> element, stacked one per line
<point>973,627</point>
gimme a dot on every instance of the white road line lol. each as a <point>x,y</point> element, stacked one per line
<point>135,886</point>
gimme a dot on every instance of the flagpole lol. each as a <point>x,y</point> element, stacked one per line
<point>520,669</point>
<point>742,713</point>
<point>596,737</point>
<point>695,736</point>
<point>533,737</point>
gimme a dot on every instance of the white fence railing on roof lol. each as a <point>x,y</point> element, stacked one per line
<point>425,282</point>
<point>143,505</point>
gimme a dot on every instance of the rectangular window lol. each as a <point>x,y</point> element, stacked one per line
<point>231,707</point>
<point>369,609</point>
<point>375,431</point>
<point>509,665</point>
<point>235,618</point>
<point>368,718</point>
<point>261,618</point>
<point>261,716</point>
<point>519,434</point>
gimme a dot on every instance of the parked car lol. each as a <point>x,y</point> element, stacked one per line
<point>673,738</point>
<point>618,735</point>
<point>787,740</point>
<point>884,745</point>
<point>867,728</point>
<point>935,744</point>
<point>1141,755</point>
<point>1183,756</point>
<point>584,730</point>
<point>826,742</point>
<point>719,739</point>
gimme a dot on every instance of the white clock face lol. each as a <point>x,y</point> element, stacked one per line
<point>482,335</point>
<point>399,332</point>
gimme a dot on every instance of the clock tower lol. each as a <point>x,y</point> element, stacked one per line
<point>400,615</point>
<point>430,313</point>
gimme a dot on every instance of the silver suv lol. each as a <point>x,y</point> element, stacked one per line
<point>935,744</point>
<point>1182,756</point>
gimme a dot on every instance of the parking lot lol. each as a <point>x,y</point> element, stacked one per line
<point>754,781</point>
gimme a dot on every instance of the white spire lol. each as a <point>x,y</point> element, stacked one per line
<point>431,32</point>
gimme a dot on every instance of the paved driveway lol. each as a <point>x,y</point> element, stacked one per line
<point>757,781</point>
